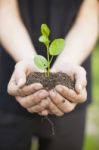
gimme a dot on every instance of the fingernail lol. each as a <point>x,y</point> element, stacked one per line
<point>58,88</point>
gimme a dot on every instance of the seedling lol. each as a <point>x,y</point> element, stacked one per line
<point>53,48</point>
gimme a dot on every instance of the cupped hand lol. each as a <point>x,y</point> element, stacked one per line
<point>32,97</point>
<point>58,105</point>
<point>34,102</point>
<point>63,99</point>
<point>61,102</point>
<point>21,70</point>
<point>58,101</point>
<point>78,75</point>
<point>52,109</point>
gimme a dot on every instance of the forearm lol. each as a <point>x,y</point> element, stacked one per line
<point>83,35</point>
<point>13,34</point>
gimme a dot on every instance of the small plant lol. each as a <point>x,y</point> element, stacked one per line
<point>53,48</point>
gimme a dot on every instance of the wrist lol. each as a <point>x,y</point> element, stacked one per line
<point>27,63</point>
<point>60,66</point>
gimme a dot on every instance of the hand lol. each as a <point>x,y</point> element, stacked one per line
<point>75,72</point>
<point>21,70</point>
<point>51,109</point>
<point>61,102</point>
<point>32,97</point>
<point>34,102</point>
<point>63,99</point>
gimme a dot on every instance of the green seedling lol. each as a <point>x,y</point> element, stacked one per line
<point>53,48</point>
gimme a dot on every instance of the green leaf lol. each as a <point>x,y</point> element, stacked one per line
<point>44,39</point>
<point>45,30</point>
<point>56,47</point>
<point>40,62</point>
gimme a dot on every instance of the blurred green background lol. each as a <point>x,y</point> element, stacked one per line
<point>91,141</point>
<point>92,127</point>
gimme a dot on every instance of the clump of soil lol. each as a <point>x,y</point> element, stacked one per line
<point>52,81</point>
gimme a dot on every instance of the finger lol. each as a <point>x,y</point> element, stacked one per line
<point>28,90</point>
<point>53,109</point>
<point>71,95</point>
<point>39,107</point>
<point>17,80</point>
<point>44,113</point>
<point>32,99</point>
<point>12,87</point>
<point>14,90</point>
<point>62,103</point>
<point>20,74</point>
<point>80,80</point>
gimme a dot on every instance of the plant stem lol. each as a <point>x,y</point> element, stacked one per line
<point>51,59</point>
<point>45,73</point>
<point>48,71</point>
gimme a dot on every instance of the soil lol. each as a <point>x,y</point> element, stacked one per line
<point>52,81</point>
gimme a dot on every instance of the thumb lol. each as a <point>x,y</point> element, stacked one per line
<point>20,78</point>
<point>78,87</point>
<point>81,81</point>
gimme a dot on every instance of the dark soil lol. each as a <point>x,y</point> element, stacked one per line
<point>52,81</point>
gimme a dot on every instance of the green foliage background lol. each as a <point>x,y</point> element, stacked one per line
<point>92,127</point>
